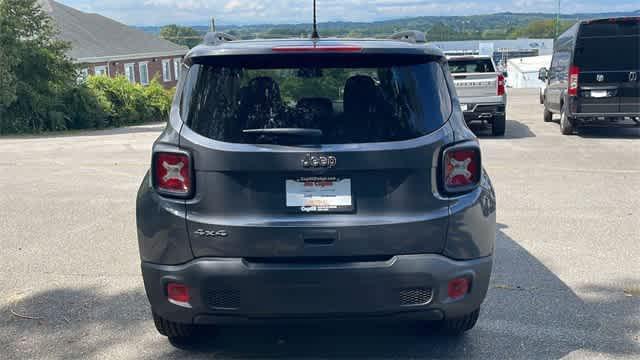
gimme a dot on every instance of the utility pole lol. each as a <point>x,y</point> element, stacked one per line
<point>212,25</point>
<point>558,20</point>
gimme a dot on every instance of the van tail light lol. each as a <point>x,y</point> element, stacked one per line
<point>461,169</point>
<point>574,72</point>
<point>500,84</point>
<point>172,174</point>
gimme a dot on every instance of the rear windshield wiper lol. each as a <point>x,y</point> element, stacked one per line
<point>285,131</point>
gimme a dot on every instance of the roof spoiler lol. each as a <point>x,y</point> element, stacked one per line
<point>412,36</point>
<point>217,38</point>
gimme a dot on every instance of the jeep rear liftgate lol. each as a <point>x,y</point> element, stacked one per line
<point>268,185</point>
<point>388,197</point>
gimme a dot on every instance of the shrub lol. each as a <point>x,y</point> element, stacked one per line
<point>126,103</point>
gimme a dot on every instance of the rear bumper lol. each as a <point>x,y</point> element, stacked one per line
<point>607,119</point>
<point>230,290</point>
<point>483,111</point>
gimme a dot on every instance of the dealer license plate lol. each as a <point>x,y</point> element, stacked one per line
<point>319,194</point>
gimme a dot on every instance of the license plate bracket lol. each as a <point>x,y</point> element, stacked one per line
<point>319,194</point>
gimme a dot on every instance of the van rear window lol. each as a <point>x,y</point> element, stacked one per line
<point>333,101</point>
<point>608,46</point>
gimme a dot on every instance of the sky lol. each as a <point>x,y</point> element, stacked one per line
<point>228,12</point>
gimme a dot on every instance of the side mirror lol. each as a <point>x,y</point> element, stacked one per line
<point>505,74</point>
<point>543,74</point>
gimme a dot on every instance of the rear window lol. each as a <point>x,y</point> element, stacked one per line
<point>349,99</point>
<point>599,46</point>
<point>458,66</point>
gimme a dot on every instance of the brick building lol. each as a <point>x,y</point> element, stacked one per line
<point>107,47</point>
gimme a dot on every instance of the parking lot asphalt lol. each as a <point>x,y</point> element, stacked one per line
<point>566,281</point>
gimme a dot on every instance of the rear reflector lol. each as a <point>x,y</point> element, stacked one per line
<point>458,288</point>
<point>317,48</point>
<point>574,73</point>
<point>178,294</point>
<point>172,174</point>
<point>462,169</point>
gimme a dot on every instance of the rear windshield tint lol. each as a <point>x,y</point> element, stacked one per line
<point>608,46</point>
<point>350,100</point>
<point>471,66</point>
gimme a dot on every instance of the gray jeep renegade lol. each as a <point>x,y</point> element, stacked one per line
<point>315,179</point>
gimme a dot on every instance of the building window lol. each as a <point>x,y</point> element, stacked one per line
<point>129,72</point>
<point>100,70</point>
<point>144,73</point>
<point>166,70</point>
<point>176,67</point>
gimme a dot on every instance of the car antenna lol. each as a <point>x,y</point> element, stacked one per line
<point>315,35</point>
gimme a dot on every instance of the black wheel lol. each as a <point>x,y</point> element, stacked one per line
<point>547,115</point>
<point>174,331</point>
<point>456,326</point>
<point>566,123</point>
<point>499,125</point>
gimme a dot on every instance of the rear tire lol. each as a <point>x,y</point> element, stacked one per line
<point>566,123</point>
<point>176,332</point>
<point>499,125</point>
<point>457,326</point>
<point>547,115</point>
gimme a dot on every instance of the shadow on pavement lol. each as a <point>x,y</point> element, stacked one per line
<point>529,313</point>
<point>154,127</point>
<point>515,130</point>
<point>609,133</point>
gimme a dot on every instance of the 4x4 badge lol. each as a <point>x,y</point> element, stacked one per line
<point>600,77</point>
<point>633,76</point>
<point>211,233</point>
<point>320,161</point>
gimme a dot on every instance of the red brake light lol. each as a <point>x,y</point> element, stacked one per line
<point>574,73</point>
<point>500,84</point>
<point>178,294</point>
<point>172,174</point>
<point>461,169</point>
<point>458,288</point>
<point>317,48</point>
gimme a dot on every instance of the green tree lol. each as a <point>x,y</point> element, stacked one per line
<point>181,35</point>
<point>543,29</point>
<point>37,71</point>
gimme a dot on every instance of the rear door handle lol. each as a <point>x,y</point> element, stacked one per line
<point>320,237</point>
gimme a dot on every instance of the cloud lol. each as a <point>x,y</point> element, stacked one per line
<point>158,12</point>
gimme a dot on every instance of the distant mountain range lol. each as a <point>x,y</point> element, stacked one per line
<point>481,26</point>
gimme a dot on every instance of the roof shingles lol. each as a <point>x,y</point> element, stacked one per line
<point>96,38</point>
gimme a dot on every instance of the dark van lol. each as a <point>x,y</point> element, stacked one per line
<point>593,79</point>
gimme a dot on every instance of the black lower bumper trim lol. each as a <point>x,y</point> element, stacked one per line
<point>424,315</point>
<point>232,289</point>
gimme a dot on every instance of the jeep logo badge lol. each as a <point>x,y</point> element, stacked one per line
<point>320,161</point>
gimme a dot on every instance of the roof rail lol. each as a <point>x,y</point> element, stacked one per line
<point>413,36</point>
<point>216,38</point>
